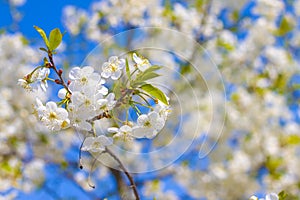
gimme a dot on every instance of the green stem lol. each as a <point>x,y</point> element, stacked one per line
<point>144,99</point>
<point>147,106</point>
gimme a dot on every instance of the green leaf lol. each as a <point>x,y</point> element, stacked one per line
<point>282,195</point>
<point>146,75</point>
<point>43,34</point>
<point>293,139</point>
<point>185,69</point>
<point>225,45</point>
<point>155,92</point>
<point>128,70</point>
<point>55,39</point>
<point>141,79</point>
<point>152,69</point>
<point>285,26</point>
<point>43,49</point>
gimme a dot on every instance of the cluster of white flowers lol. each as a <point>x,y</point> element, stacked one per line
<point>25,148</point>
<point>271,196</point>
<point>86,99</point>
<point>132,13</point>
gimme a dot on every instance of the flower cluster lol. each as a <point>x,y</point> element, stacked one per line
<point>85,98</point>
<point>271,196</point>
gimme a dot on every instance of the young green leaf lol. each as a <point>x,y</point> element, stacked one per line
<point>146,75</point>
<point>128,70</point>
<point>141,79</point>
<point>55,39</point>
<point>152,68</point>
<point>155,92</point>
<point>282,195</point>
<point>43,49</point>
<point>285,26</point>
<point>43,34</point>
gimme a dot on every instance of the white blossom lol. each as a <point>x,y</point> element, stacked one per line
<point>96,144</point>
<point>142,63</point>
<point>108,103</point>
<point>51,116</point>
<point>148,125</point>
<point>124,132</point>
<point>83,78</point>
<point>113,68</point>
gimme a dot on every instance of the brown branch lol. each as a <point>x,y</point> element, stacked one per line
<point>119,180</point>
<point>132,183</point>
<point>59,74</point>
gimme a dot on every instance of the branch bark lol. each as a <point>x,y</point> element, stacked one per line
<point>122,167</point>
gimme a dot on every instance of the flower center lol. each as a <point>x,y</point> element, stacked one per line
<point>96,145</point>
<point>83,80</point>
<point>147,124</point>
<point>114,67</point>
<point>87,102</point>
<point>52,115</point>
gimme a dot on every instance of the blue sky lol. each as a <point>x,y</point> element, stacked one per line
<point>47,14</point>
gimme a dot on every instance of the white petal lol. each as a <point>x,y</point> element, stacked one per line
<point>87,143</point>
<point>138,131</point>
<point>84,125</point>
<point>106,66</point>
<point>95,77</point>
<point>51,106</point>
<point>153,116</point>
<point>39,102</point>
<point>106,74</point>
<point>44,85</point>
<point>159,124</point>
<point>77,98</point>
<point>142,119</point>
<point>143,67</point>
<point>113,129</point>
<point>136,59</point>
<point>102,102</point>
<point>150,133</point>
<point>122,63</point>
<point>62,93</point>
<point>116,75</point>
<point>102,81</point>
<point>126,129</point>
<point>272,196</point>
<point>74,73</point>
<point>103,90</point>
<point>105,141</point>
<point>110,97</point>
<point>113,59</point>
<point>87,70</point>
<point>62,113</point>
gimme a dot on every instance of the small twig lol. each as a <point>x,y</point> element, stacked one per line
<point>52,66</point>
<point>98,117</point>
<point>132,183</point>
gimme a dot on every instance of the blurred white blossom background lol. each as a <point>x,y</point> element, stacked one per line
<point>243,120</point>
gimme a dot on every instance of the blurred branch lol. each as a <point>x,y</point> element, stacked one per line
<point>132,183</point>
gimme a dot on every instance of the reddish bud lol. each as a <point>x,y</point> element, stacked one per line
<point>57,81</point>
<point>60,71</point>
<point>69,82</point>
<point>48,65</point>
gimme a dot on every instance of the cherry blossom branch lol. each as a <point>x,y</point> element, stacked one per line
<point>58,72</point>
<point>132,183</point>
